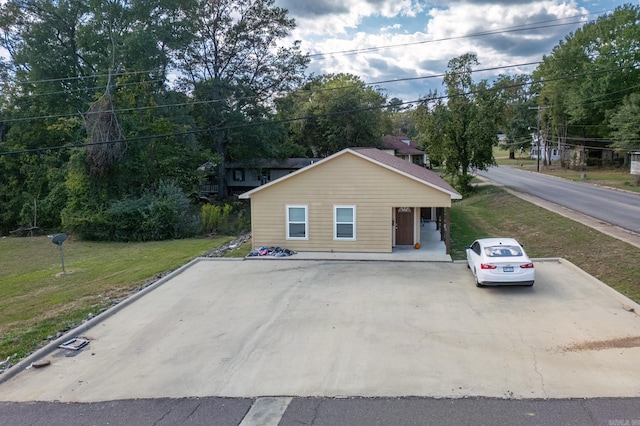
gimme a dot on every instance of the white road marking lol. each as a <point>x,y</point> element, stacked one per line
<point>266,411</point>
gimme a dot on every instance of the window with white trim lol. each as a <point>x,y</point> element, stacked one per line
<point>297,223</point>
<point>344,223</point>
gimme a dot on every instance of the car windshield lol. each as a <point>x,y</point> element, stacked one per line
<point>502,251</point>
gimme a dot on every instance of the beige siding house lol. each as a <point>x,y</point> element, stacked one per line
<point>357,200</point>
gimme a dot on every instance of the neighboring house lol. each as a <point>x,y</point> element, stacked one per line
<point>405,148</point>
<point>581,152</point>
<point>503,141</point>
<point>357,200</point>
<point>244,177</point>
<point>591,152</point>
<point>635,163</point>
<point>547,151</point>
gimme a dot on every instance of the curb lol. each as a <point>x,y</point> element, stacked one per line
<point>626,302</point>
<point>346,259</point>
<point>76,332</point>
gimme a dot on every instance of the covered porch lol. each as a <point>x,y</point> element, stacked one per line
<point>432,249</point>
<point>433,246</point>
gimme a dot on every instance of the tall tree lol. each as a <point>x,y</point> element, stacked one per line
<point>461,133</point>
<point>626,126</point>
<point>516,117</point>
<point>333,112</point>
<point>66,57</point>
<point>402,120</point>
<point>590,72</point>
<point>236,64</point>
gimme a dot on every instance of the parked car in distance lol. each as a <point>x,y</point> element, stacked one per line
<point>499,261</point>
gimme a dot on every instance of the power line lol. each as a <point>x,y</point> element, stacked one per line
<point>95,89</point>
<point>524,27</point>
<point>183,104</point>
<point>375,83</point>
<point>338,88</point>
<point>248,125</point>
<point>519,28</point>
<point>83,77</point>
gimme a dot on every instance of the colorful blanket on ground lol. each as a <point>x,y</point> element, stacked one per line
<point>271,251</point>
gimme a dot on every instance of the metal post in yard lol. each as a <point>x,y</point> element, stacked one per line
<point>62,258</point>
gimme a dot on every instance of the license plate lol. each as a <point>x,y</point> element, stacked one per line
<point>507,269</point>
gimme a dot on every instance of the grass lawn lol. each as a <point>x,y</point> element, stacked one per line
<point>614,178</point>
<point>492,212</point>
<point>37,300</point>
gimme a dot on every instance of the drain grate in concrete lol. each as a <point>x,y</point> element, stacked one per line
<point>75,344</point>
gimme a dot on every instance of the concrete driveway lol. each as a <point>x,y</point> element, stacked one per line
<point>349,328</point>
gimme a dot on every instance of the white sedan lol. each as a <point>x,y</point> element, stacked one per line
<point>499,261</point>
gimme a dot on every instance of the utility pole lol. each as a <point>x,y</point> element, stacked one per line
<point>539,108</point>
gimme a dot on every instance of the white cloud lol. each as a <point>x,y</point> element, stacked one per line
<point>426,37</point>
<point>331,17</point>
<point>390,28</point>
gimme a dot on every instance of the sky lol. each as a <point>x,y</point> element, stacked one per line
<point>404,45</point>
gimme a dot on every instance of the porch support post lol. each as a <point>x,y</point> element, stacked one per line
<point>448,229</point>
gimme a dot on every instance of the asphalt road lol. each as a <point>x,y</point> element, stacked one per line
<point>329,412</point>
<point>619,208</point>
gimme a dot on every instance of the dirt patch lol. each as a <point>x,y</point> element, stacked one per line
<point>598,345</point>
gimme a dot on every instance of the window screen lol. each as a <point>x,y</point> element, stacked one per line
<point>297,222</point>
<point>345,222</point>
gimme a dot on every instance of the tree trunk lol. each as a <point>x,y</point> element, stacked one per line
<point>220,145</point>
<point>219,138</point>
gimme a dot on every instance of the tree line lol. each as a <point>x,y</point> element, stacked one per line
<point>109,108</point>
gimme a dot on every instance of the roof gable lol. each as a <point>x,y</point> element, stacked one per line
<point>402,145</point>
<point>408,169</point>
<point>380,158</point>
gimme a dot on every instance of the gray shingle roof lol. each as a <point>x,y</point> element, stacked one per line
<point>413,170</point>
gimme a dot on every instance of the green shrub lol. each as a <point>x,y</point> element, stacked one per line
<point>227,219</point>
<point>463,183</point>
<point>159,214</point>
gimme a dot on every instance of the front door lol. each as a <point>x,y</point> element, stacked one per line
<point>404,226</point>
